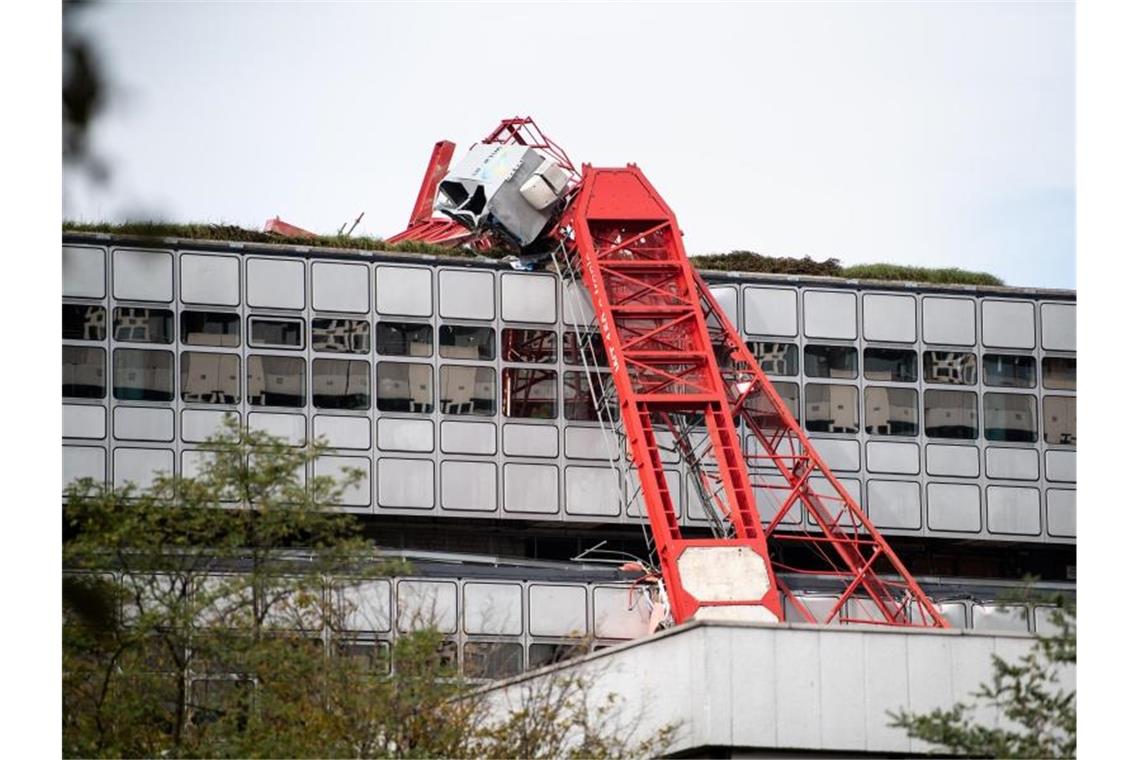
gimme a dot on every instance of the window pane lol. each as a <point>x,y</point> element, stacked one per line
<point>341,336</point>
<point>369,656</point>
<point>84,375</point>
<point>831,361</point>
<point>465,342</point>
<point>1010,417</point>
<point>533,346</point>
<point>530,393</point>
<point>892,364</point>
<point>1061,420</point>
<point>144,325</point>
<point>1009,371</point>
<point>953,367</point>
<point>891,411</point>
<point>404,387</point>
<point>790,393</point>
<point>777,358</point>
<point>466,390</point>
<point>491,659</point>
<point>208,328</point>
<point>542,655</point>
<point>144,375</point>
<point>285,333</point>
<point>595,349</point>
<point>578,404</point>
<point>831,408</point>
<point>210,378</point>
<point>341,384</point>
<point>82,322</point>
<point>276,380</point>
<point>403,339</point>
<point>951,414</point>
<point>1059,372</point>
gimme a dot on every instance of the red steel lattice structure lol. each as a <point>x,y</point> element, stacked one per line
<point>681,370</point>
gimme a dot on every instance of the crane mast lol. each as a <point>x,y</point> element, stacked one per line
<point>682,378</point>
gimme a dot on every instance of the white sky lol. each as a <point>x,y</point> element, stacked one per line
<point>936,134</point>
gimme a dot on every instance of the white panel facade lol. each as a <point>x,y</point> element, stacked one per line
<point>84,421</point>
<point>403,291</point>
<point>1059,326</point>
<point>894,504</point>
<point>619,614</point>
<point>493,609</point>
<point>81,462</point>
<point>468,437</point>
<point>828,314</point>
<point>200,424</point>
<point>954,461</point>
<point>889,318</point>
<point>141,466</point>
<point>1008,324</point>
<point>426,604</point>
<point>592,491</point>
<point>557,610</point>
<point>343,432</point>
<point>770,311</point>
<point>291,427</point>
<point>358,494</point>
<point>1013,510</point>
<point>406,483</point>
<point>405,435</point>
<point>144,424</point>
<point>142,275</point>
<point>530,488</point>
<point>368,606</point>
<point>1061,466</point>
<point>1012,464</point>
<point>340,287</point>
<point>948,320</point>
<point>466,294</point>
<point>275,283</point>
<point>1061,512</point>
<point>726,298</point>
<point>841,455</point>
<point>529,298</point>
<point>954,507</point>
<point>84,272</point>
<point>890,457</point>
<point>211,280</point>
<point>530,440</point>
<point>468,486</point>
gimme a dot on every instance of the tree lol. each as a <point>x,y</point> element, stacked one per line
<point>208,616</point>
<point>1039,716</point>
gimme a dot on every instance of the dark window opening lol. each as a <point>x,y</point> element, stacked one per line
<point>275,381</point>
<point>404,388</point>
<point>1009,371</point>
<point>210,378</point>
<point>951,414</point>
<point>341,336</point>
<point>776,358</point>
<point>531,346</point>
<point>890,364</point>
<point>466,342</point>
<point>83,322</point>
<point>84,372</point>
<point>341,384</point>
<point>208,328</point>
<point>467,390</point>
<point>891,411</point>
<point>950,367</point>
<point>831,408</point>
<point>137,325</point>
<point>277,333</point>
<point>403,339</point>
<point>839,362</point>
<point>1010,417</point>
<point>530,393</point>
<point>1059,372</point>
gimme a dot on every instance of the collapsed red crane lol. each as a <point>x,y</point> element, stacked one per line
<point>678,370</point>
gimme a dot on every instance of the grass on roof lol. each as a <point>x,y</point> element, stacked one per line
<point>747,261</point>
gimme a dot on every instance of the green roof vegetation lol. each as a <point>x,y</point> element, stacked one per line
<point>736,261</point>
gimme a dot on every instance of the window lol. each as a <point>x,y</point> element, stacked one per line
<point>208,328</point>
<point>951,367</point>
<point>276,333</point>
<point>531,346</point>
<point>542,655</point>
<point>951,414</point>
<point>759,406</point>
<point>341,384</point>
<point>275,380</point>
<point>594,345</point>
<point>577,402</point>
<point>530,393</point>
<point>777,358</point>
<point>369,656</point>
<point>403,339</point>
<point>1010,417</point>
<point>84,375</point>
<point>466,390</point>
<point>464,342</point>
<point>831,361</point>
<point>143,325</point>
<point>404,387</point>
<point>491,659</point>
<point>82,322</point>
<point>1060,414</point>
<point>1009,371</point>
<point>341,336</point>
<point>831,408</point>
<point>891,411</point>
<point>790,393</point>
<point>210,378</point>
<point>143,375</point>
<point>1059,372</point>
<point>893,365</point>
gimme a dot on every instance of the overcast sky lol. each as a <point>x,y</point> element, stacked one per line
<point>937,134</point>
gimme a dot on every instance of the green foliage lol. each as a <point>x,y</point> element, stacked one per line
<point>234,639</point>
<point>747,261</point>
<point>1037,718</point>
<point>899,273</point>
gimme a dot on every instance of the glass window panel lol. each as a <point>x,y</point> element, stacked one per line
<point>466,342</point>
<point>577,401</point>
<point>403,339</point>
<point>281,333</point>
<point>341,336</point>
<point>1009,371</point>
<point>83,322</point>
<point>404,387</point>
<point>951,414</point>
<point>891,411</point>
<point>143,375</point>
<point>759,406</point>
<point>210,378</point>
<point>143,325</point>
<point>466,390</point>
<point>370,656</point>
<point>1060,414</point>
<point>532,346</point>
<point>275,380</point>
<point>894,365</point>
<point>776,358</point>
<point>1010,417</point>
<point>84,373</point>
<point>831,408</point>
<point>491,659</point>
<point>210,328</point>
<point>341,384</point>
<point>790,393</point>
<point>542,655</point>
<point>530,393</point>
<point>595,349</point>
<point>1059,373</point>
<point>831,361</point>
<point>951,367</point>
